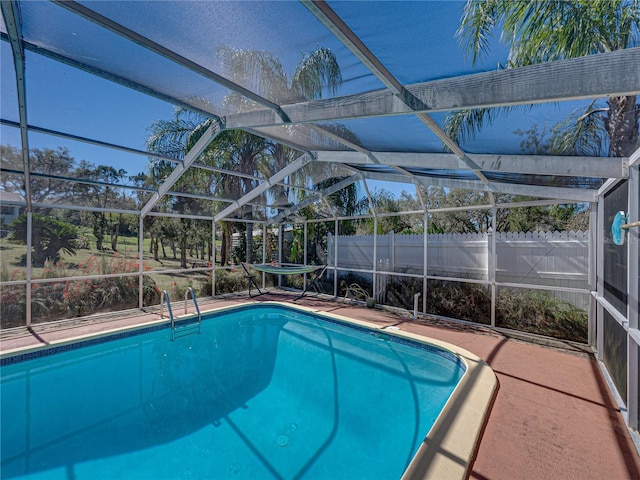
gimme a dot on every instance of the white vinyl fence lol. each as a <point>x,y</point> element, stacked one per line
<point>554,259</point>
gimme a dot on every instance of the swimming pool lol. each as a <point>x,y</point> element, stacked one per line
<point>265,391</point>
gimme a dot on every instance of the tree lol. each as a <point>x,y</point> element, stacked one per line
<point>232,150</point>
<point>50,236</point>
<point>101,196</point>
<point>548,30</point>
<point>241,151</point>
<point>458,221</point>
<point>58,163</point>
<point>263,73</point>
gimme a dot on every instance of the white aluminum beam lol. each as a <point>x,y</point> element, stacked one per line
<point>358,148</point>
<point>83,208</point>
<point>135,151</point>
<point>180,215</point>
<point>264,186</point>
<point>573,79</point>
<point>634,158</point>
<point>608,185</point>
<point>203,142</point>
<point>90,141</point>
<point>336,25</point>
<point>569,166</point>
<point>565,195</point>
<point>14,31</point>
<point>317,197</point>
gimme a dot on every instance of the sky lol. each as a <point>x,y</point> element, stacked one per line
<point>66,99</point>
<point>63,98</point>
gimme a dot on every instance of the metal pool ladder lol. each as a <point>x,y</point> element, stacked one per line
<point>187,328</point>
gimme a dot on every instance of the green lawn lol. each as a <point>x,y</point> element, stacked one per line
<point>86,261</point>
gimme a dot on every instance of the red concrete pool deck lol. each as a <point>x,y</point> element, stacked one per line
<point>553,416</point>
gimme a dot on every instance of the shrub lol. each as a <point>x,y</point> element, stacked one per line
<point>229,281</point>
<point>461,300</point>
<point>12,306</point>
<point>344,281</point>
<point>50,236</point>
<point>538,312</point>
<point>72,298</point>
<point>533,311</point>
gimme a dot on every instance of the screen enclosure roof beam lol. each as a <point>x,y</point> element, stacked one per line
<point>318,196</point>
<point>112,77</point>
<point>201,145</point>
<point>573,79</point>
<point>569,166</point>
<point>570,195</point>
<point>90,141</point>
<point>265,185</point>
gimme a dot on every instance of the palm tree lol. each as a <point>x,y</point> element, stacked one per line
<point>243,152</point>
<point>173,138</point>
<point>547,30</point>
<point>240,151</point>
<point>262,73</point>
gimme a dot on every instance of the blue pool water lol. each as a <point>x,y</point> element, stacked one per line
<point>264,392</point>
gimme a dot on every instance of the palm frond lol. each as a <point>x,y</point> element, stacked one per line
<point>479,18</point>
<point>256,70</point>
<point>582,133</point>
<point>169,137</point>
<point>465,124</point>
<point>546,30</point>
<point>317,70</point>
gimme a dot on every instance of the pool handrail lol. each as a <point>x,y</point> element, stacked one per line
<point>195,303</point>
<point>165,296</point>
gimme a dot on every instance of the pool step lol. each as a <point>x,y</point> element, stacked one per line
<point>185,327</point>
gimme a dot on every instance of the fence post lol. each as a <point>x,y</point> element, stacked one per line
<point>304,260</point>
<point>29,273</point>
<point>592,282</point>
<point>392,251</point>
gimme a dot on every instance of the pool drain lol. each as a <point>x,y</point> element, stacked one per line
<point>283,441</point>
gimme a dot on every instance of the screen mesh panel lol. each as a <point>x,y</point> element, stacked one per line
<point>615,256</point>
<point>9,99</point>
<point>615,353</point>
<point>102,49</point>
<point>186,28</point>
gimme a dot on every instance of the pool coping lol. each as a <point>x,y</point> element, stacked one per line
<point>448,450</point>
